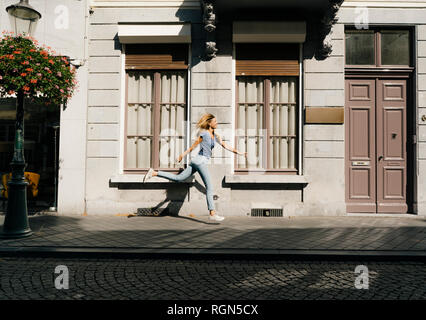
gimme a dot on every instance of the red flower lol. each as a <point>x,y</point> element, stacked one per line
<point>26,88</point>
<point>17,52</point>
<point>33,80</point>
<point>51,61</point>
<point>23,74</point>
<point>29,69</point>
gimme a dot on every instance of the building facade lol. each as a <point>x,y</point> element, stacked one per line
<point>328,98</point>
<point>321,135</point>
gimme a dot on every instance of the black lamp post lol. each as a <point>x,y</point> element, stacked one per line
<point>23,19</point>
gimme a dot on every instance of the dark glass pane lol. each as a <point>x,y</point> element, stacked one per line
<point>360,47</point>
<point>395,47</point>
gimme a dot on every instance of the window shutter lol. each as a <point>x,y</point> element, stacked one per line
<point>269,59</point>
<point>156,56</point>
<point>267,68</point>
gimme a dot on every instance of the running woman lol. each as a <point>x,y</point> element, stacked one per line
<point>206,139</point>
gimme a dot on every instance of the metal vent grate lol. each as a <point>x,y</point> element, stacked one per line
<point>152,211</point>
<point>266,212</point>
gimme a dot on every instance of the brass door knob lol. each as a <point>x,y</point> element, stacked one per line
<point>423,118</point>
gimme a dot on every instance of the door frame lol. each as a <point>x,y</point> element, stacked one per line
<point>411,120</point>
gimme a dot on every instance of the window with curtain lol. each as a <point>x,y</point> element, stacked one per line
<point>267,108</point>
<point>156,111</point>
<point>267,122</point>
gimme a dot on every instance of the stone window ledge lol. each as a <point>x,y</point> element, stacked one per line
<point>138,178</point>
<point>265,179</point>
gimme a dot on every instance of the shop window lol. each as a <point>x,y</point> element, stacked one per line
<point>267,107</point>
<point>155,108</point>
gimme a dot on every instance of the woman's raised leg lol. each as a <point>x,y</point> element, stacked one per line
<point>189,171</point>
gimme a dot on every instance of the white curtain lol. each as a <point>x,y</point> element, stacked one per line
<point>250,131</point>
<point>282,142</point>
<point>172,115</point>
<point>139,119</point>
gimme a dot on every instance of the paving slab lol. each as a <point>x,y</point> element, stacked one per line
<point>313,235</point>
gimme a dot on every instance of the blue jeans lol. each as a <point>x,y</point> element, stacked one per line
<point>198,163</point>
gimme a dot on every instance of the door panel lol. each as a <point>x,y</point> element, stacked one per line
<point>391,145</point>
<point>360,146</point>
<point>376,142</point>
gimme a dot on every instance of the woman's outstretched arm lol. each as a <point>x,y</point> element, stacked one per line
<point>225,146</point>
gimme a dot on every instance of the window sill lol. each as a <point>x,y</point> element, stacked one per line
<point>138,179</point>
<point>263,178</point>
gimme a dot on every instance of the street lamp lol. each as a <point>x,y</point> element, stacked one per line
<point>23,19</point>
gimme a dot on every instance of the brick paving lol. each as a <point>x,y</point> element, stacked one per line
<point>176,279</point>
<point>347,233</point>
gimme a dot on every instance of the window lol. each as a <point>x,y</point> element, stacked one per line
<point>378,47</point>
<point>360,47</point>
<point>267,107</point>
<point>155,108</point>
<point>395,47</point>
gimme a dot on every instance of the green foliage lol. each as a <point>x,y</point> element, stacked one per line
<point>35,70</point>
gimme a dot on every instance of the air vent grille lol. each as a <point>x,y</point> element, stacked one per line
<point>152,211</point>
<point>266,212</point>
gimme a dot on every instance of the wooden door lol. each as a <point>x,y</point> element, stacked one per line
<point>360,145</point>
<point>375,144</point>
<point>391,102</point>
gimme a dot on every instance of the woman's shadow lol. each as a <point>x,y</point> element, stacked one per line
<point>176,193</point>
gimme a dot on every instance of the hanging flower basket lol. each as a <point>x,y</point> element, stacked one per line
<point>35,70</point>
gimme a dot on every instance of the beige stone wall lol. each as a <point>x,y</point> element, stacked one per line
<point>323,146</point>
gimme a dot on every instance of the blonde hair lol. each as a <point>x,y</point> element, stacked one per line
<point>204,122</point>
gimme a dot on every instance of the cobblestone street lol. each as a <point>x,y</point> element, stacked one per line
<point>159,279</point>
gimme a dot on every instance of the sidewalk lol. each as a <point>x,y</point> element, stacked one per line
<point>320,235</point>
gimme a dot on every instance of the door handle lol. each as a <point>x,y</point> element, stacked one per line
<point>380,158</point>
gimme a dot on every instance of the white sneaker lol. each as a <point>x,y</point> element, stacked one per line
<point>148,175</point>
<point>216,217</point>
